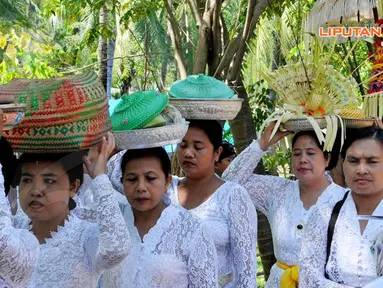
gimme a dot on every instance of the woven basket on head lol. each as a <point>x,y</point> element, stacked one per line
<point>61,114</point>
<point>302,124</point>
<point>57,100</point>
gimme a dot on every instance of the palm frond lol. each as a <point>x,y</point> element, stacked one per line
<point>15,12</point>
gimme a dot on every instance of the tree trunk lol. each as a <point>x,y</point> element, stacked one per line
<point>111,49</point>
<point>165,62</point>
<point>255,9</point>
<point>205,41</point>
<point>242,126</point>
<point>176,38</point>
<point>103,48</point>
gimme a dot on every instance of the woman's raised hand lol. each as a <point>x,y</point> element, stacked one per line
<point>265,142</point>
<point>97,158</point>
<point>378,122</point>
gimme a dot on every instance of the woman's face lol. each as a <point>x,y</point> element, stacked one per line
<point>144,183</point>
<point>196,154</point>
<point>45,190</point>
<point>363,167</point>
<point>221,166</point>
<point>308,161</point>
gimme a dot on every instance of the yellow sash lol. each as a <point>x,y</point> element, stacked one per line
<point>290,276</point>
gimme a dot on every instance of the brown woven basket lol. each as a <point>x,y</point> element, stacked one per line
<point>302,124</point>
<point>358,123</point>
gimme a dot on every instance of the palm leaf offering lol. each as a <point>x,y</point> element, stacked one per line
<point>312,90</point>
<point>321,92</point>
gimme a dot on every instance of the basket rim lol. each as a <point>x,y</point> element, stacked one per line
<point>171,127</point>
<point>12,105</point>
<point>205,99</point>
<point>153,129</point>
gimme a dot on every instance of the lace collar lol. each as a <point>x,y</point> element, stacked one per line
<point>70,224</point>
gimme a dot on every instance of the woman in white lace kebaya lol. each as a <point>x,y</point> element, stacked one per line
<point>351,259</point>
<point>18,248</point>
<point>73,253</point>
<point>170,247</point>
<point>287,204</point>
<point>224,207</point>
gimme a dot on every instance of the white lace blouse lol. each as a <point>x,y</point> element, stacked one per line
<point>228,217</point>
<point>177,252</point>
<point>232,221</point>
<point>352,262</point>
<point>77,254</point>
<point>18,247</point>
<point>279,199</point>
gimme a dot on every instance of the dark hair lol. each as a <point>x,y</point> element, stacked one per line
<point>212,129</point>
<point>157,152</point>
<point>372,132</point>
<point>334,153</point>
<point>71,163</point>
<point>8,162</point>
<point>227,150</point>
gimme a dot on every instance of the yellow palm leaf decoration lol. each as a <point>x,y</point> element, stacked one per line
<point>313,88</point>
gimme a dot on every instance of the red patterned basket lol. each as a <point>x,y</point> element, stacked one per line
<point>61,114</point>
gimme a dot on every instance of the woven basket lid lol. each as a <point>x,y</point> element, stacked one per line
<point>201,86</point>
<point>138,109</point>
<point>57,101</point>
<point>61,114</point>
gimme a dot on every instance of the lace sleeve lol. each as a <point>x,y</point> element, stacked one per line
<point>18,247</point>
<point>114,238</point>
<point>243,237</point>
<point>261,189</point>
<point>84,195</point>
<point>203,271</point>
<point>313,252</point>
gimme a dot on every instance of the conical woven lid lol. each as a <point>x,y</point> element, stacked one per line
<point>138,109</point>
<point>201,86</point>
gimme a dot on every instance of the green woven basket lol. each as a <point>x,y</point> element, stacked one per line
<point>138,109</point>
<point>201,86</point>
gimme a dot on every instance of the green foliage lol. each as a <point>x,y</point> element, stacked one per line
<point>278,162</point>
<point>277,7</point>
<point>136,10</point>
<point>22,57</point>
<point>260,101</point>
<point>227,135</point>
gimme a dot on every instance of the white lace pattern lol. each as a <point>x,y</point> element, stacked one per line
<point>18,247</point>
<point>279,199</point>
<point>352,262</point>
<point>228,216</point>
<point>177,252</point>
<point>232,221</point>
<point>77,254</point>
